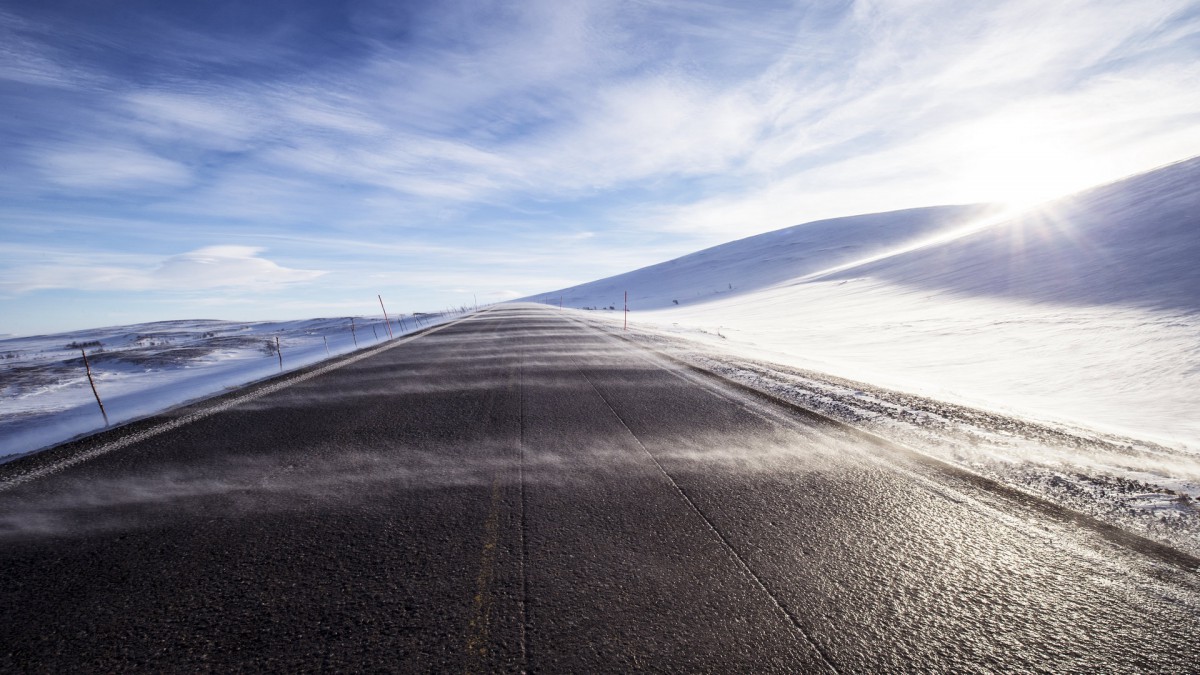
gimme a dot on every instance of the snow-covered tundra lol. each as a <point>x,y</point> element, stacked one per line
<point>45,396</point>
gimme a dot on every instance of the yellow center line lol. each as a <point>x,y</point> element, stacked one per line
<point>479,628</point>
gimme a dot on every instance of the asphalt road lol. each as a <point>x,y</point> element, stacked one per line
<point>519,491</point>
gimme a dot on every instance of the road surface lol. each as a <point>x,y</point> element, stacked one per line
<point>520,491</point>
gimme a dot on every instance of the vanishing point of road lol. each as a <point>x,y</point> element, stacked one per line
<point>521,491</point>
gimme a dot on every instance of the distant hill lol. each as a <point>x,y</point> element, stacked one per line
<point>1133,242</point>
<point>766,259</point>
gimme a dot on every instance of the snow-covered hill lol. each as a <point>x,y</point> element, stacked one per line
<point>1133,243</point>
<point>1084,310</point>
<point>764,260</point>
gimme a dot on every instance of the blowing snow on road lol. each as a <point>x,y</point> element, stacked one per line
<point>520,491</point>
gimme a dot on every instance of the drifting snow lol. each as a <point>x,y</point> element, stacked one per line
<point>1145,487</point>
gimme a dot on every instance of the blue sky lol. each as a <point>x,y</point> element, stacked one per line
<point>274,159</point>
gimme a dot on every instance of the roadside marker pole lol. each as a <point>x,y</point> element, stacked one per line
<point>279,353</point>
<point>386,321</point>
<point>352,335</point>
<point>326,344</point>
<point>92,382</point>
<point>626,310</point>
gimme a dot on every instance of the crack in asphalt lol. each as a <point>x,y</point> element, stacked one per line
<point>711,527</point>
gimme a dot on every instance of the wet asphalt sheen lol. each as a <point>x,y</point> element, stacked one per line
<point>519,491</point>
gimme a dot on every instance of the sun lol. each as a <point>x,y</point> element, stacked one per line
<point>1020,160</point>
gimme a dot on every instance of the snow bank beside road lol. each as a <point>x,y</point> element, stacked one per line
<point>1122,370</point>
<point>140,370</point>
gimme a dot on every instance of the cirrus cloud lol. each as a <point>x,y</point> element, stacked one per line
<point>204,269</point>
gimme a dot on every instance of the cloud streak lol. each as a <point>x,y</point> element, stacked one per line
<point>212,267</point>
<point>659,126</point>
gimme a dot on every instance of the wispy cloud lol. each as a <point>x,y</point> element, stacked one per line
<point>658,126</point>
<point>107,167</point>
<point>208,268</point>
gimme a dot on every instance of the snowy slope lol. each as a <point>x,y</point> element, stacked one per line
<point>1135,242</point>
<point>1085,310</point>
<point>763,260</point>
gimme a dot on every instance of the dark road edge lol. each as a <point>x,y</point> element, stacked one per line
<point>47,461</point>
<point>1056,512</point>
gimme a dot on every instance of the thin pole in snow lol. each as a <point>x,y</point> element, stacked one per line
<point>92,382</point>
<point>386,322</point>
<point>326,344</point>
<point>279,353</point>
<point>376,333</point>
<point>352,335</point>
<point>626,310</point>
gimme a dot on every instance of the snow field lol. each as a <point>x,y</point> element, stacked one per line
<point>144,369</point>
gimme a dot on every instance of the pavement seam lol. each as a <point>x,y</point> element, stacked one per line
<point>478,631</point>
<point>479,628</point>
<point>120,443</point>
<point>729,548</point>
<point>524,602</point>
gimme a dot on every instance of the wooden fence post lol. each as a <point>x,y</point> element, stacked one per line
<point>92,382</point>
<point>386,322</point>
